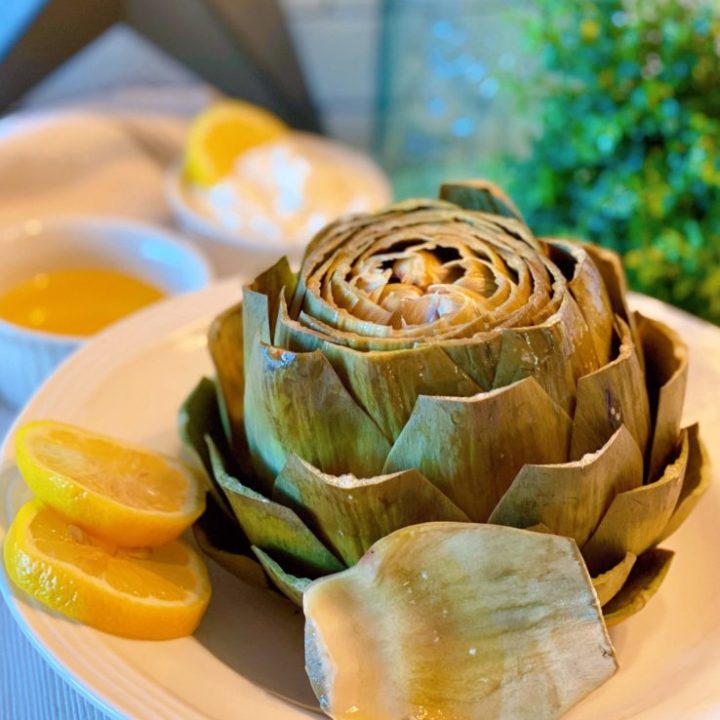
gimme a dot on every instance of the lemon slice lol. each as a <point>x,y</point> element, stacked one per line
<point>224,131</point>
<point>151,594</point>
<point>123,494</point>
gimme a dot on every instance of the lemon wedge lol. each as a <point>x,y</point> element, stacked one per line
<point>151,594</point>
<point>224,131</point>
<point>125,495</point>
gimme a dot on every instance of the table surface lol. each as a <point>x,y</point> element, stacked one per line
<point>31,690</point>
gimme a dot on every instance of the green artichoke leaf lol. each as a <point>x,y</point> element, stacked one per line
<point>637,518</point>
<point>471,449</point>
<point>610,267</point>
<point>219,537</point>
<point>608,584</point>
<point>291,586</point>
<point>350,514</point>
<point>647,575</point>
<point>477,357</point>
<point>456,620</point>
<point>610,397</point>
<point>544,352</point>
<point>481,196</point>
<point>666,369</point>
<point>273,527</point>
<point>588,289</point>
<point>198,418</point>
<point>571,498</point>
<point>296,403</point>
<point>698,476</point>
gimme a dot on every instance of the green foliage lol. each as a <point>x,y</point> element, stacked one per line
<point>628,153</point>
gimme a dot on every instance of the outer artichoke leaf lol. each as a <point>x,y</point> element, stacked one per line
<point>471,449</point>
<point>571,498</point>
<point>610,397</point>
<point>608,584</point>
<point>637,518</point>
<point>544,352</point>
<point>273,527</point>
<point>350,514</point>
<point>645,578</point>
<point>222,540</point>
<point>482,196</point>
<point>610,267</point>
<point>289,585</point>
<point>698,476</point>
<point>477,357</point>
<point>666,368</point>
<point>226,346</point>
<point>454,620</point>
<point>296,403</point>
<point>199,417</point>
<point>588,289</point>
<point>387,384</point>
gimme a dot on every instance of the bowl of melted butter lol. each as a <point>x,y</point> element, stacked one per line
<point>64,280</point>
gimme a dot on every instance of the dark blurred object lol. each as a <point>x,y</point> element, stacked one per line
<point>242,48</point>
<point>627,95</point>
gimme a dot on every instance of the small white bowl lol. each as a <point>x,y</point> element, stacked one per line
<point>150,253</point>
<point>248,254</point>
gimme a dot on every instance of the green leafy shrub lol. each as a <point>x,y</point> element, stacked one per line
<point>628,149</point>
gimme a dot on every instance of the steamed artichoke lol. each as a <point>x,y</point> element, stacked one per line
<point>438,362</point>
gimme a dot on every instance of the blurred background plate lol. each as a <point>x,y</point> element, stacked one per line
<point>247,654</point>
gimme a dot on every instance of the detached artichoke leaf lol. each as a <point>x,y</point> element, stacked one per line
<point>608,584</point>
<point>471,449</point>
<point>457,621</point>
<point>588,289</point>
<point>571,498</point>
<point>698,476</point>
<point>610,397</point>
<point>350,514</point>
<point>647,575</point>
<point>200,417</point>
<point>637,518</point>
<point>296,403</point>
<point>481,196</point>
<point>666,368</point>
<point>291,586</point>
<point>273,527</point>
<point>220,538</point>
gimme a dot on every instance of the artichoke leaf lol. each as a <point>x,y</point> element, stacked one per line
<point>637,518</point>
<point>291,586</point>
<point>477,357</point>
<point>471,449</point>
<point>220,538</point>
<point>457,620</point>
<point>226,346</point>
<point>608,584</point>
<point>647,575</point>
<point>273,527</point>
<point>480,196</point>
<point>666,369</point>
<point>697,480</point>
<point>610,267</point>
<point>198,418</point>
<point>350,514</point>
<point>296,403</point>
<point>610,397</point>
<point>587,287</point>
<point>571,498</point>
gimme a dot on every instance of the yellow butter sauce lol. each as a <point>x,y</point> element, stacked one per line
<point>75,302</point>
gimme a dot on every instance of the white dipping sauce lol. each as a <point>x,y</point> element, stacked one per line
<point>287,190</point>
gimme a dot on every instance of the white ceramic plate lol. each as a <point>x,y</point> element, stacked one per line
<point>247,654</point>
